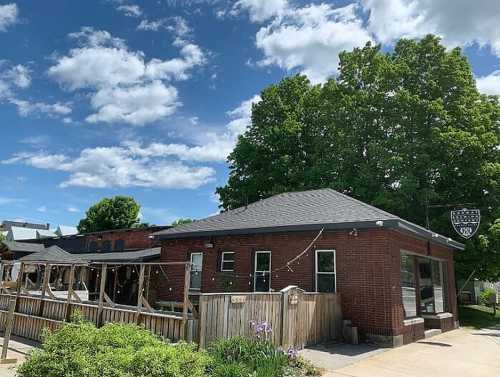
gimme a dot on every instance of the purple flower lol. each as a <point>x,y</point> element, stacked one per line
<point>292,353</point>
<point>261,329</point>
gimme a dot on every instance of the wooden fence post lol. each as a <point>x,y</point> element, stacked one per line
<point>2,266</point>
<point>139,293</point>
<point>46,280</point>
<point>70,291</point>
<point>202,323</point>
<point>187,283</point>
<point>284,319</point>
<point>9,322</point>
<point>19,284</point>
<point>102,288</point>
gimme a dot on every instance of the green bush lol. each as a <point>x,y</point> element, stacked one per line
<point>485,296</point>
<point>240,349</point>
<point>115,350</point>
<point>237,356</point>
<point>230,370</point>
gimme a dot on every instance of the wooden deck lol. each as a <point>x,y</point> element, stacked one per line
<point>34,313</point>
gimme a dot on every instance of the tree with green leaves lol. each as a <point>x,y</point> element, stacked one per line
<point>181,221</point>
<point>405,130</point>
<point>119,212</point>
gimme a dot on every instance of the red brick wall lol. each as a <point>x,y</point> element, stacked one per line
<point>368,269</point>
<point>135,239</point>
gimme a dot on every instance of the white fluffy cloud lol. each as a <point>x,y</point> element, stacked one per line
<point>461,22</point>
<point>177,25</point>
<point>18,77</point>
<point>138,104</point>
<point>124,86</point>
<point>14,77</point>
<point>133,163</point>
<point>130,10</point>
<point>152,25</point>
<point>241,116</point>
<point>118,166</point>
<point>311,38</point>
<point>9,14</point>
<point>260,10</point>
<point>489,84</point>
<point>26,108</point>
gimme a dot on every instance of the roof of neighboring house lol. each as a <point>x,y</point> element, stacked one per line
<point>304,210</point>
<point>53,254</point>
<point>6,224</point>
<point>23,247</point>
<point>17,233</point>
<point>126,256</point>
<point>43,233</point>
<point>65,230</point>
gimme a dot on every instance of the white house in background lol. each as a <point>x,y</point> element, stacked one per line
<point>19,233</point>
<point>65,230</point>
<point>43,233</point>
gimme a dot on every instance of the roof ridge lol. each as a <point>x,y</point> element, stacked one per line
<point>365,204</point>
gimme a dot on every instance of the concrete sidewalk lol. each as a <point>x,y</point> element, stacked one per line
<point>464,352</point>
<point>18,349</point>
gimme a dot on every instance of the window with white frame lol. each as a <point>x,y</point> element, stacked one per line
<point>325,271</point>
<point>196,267</point>
<point>262,271</point>
<point>408,285</point>
<point>227,261</point>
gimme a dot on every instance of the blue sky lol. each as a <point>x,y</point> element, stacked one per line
<point>146,98</point>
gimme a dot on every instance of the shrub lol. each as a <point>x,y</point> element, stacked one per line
<point>236,356</point>
<point>485,296</point>
<point>231,370</point>
<point>115,350</point>
<point>240,349</point>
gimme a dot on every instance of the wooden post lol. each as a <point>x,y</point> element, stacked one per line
<point>187,281</point>
<point>8,330</point>
<point>285,317</point>
<point>2,266</point>
<point>70,291</point>
<point>115,282</point>
<point>148,280</point>
<point>102,289</point>
<point>46,280</point>
<point>139,293</point>
<point>202,323</point>
<point>19,283</point>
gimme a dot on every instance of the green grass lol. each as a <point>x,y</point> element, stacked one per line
<point>478,316</point>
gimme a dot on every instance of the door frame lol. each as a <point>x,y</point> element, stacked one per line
<point>255,268</point>
<point>200,271</point>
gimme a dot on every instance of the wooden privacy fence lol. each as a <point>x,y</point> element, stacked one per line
<point>35,313</point>
<point>297,318</point>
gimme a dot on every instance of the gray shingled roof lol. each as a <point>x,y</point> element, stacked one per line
<point>23,247</point>
<point>304,210</point>
<point>53,254</point>
<point>125,256</point>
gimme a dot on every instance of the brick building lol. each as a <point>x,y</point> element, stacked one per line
<point>396,279</point>
<point>105,241</point>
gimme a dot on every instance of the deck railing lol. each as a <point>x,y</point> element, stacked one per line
<point>34,313</point>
